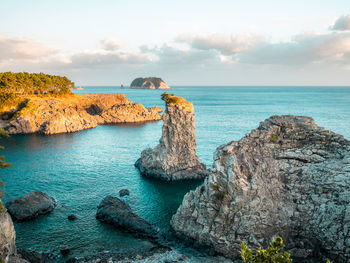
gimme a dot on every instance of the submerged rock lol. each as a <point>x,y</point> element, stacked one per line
<point>124,192</point>
<point>114,211</point>
<point>7,235</point>
<point>288,177</point>
<point>175,157</point>
<point>72,217</point>
<point>74,113</point>
<point>30,206</point>
<point>148,83</point>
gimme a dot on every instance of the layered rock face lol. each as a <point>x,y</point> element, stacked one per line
<point>75,113</point>
<point>288,177</point>
<point>175,157</point>
<point>7,235</point>
<point>30,206</point>
<point>148,83</point>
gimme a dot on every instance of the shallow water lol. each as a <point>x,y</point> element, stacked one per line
<point>81,168</point>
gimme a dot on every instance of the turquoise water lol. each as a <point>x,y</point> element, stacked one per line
<point>81,168</point>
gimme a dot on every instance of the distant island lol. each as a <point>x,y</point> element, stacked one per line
<point>148,83</point>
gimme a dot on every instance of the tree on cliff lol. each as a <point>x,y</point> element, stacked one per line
<point>13,85</point>
<point>3,164</point>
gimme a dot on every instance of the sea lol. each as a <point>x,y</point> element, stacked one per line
<point>79,169</point>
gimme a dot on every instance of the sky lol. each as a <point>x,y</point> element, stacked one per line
<point>222,42</point>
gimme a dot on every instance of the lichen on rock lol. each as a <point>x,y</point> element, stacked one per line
<point>289,177</point>
<point>175,157</point>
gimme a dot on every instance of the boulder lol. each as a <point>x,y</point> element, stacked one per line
<point>7,235</point>
<point>72,217</point>
<point>124,192</point>
<point>289,177</point>
<point>175,157</point>
<point>30,206</point>
<point>148,83</point>
<point>114,211</point>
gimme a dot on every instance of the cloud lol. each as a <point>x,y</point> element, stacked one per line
<point>110,44</point>
<point>178,56</point>
<point>23,49</point>
<point>303,49</point>
<point>88,59</point>
<point>342,23</point>
<point>226,45</point>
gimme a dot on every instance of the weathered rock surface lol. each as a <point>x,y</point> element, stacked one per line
<point>7,235</point>
<point>30,206</point>
<point>288,177</point>
<point>148,83</point>
<point>175,157</point>
<point>114,211</point>
<point>75,113</point>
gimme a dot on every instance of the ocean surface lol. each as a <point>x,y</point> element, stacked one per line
<point>81,168</point>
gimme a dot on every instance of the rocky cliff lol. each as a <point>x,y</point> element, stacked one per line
<point>175,157</point>
<point>7,235</point>
<point>148,83</point>
<point>288,177</point>
<point>74,113</point>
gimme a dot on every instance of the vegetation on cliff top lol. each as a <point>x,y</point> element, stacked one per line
<point>171,99</point>
<point>16,85</point>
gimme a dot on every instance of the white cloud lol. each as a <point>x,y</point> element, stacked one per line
<point>110,44</point>
<point>179,56</point>
<point>23,49</point>
<point>342,23</point>
<point>303,49</point>
<point>226,45</point>
<point>88,59</point>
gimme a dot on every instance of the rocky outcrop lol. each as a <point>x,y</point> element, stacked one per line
<point>175,157</point>
<point>30,206</point>
<point>114,211</point>
<point>74,113</point>
<point>7,235</point>
<point>288,177</point>
<point>148,83</point>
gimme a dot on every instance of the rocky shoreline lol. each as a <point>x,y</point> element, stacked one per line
<point>73,113</point>
<point>289,177</point>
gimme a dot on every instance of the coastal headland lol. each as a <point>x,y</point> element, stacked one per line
<point>71,113</point>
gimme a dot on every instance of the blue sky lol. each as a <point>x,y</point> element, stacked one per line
<point>185,42</point>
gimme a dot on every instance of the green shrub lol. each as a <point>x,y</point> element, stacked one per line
<point>272,254</point>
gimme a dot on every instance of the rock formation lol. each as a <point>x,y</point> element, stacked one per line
<point>114,211</point>
<point>288,177</point>
<point>74,113</point>
<point>30,206</point>
<point>175,157</point>
<point>7,235</point>
<point>148,83</point>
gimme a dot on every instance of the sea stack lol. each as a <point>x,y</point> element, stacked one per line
<point>174,158</point>
<point>289,177</point>
<point>148,83</point>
